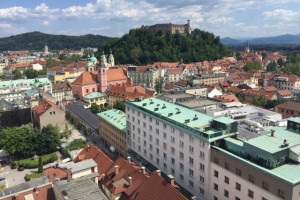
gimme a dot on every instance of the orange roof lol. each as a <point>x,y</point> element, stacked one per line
<point>116,74</point>
<point>267,95</point>
<point>156,188</point>
<point>175,70</point>
<point>126,169</point>
<point>227,98</point>
<point>128,92</point>
<point>86,78</point>
<point>284,92</point>
<point>44,106</point>
<point>18,65</point>
<point>90,151</point>
<point>54,173</point>
<point>269,89</point>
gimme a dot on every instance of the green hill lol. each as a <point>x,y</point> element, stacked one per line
<point>144,47</point>
<point>37,41</point>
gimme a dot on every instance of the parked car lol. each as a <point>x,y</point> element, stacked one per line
<point>2,179</point>
<point>21,168</point>
<point>13,165</point>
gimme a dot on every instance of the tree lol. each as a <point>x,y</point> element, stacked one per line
<point>119,105</point>
<point>238,56</point>
<point>48,139</point>
<point>259,100</point>
<point>159,85</point>
<point>252,66</point>
<point>40,167</point>
<point>272,66</point>
<point>66,133</point>
<point>95,108</point>
<point>16,74</point>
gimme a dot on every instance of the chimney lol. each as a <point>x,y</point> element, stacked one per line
<point>69,175</point>
<point>143,169</point>
<point>171,180</point>
<point>117,169</point>
<point>158,172</point>
<point>272,132</point>
<point>128,159</point>
<point>193,198</point>
<point>130,180</point>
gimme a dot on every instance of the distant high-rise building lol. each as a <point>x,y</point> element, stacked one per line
<point>181,28</point>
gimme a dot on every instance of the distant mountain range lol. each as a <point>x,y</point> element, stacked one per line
<point>282,39</point>
<point>37,40</point>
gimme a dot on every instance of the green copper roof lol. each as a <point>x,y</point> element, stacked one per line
<point>271,145</point>
<point>295,119</point>
<point>181,117</point>
<point>37,82</point>
<point>95,95</point>
<point>224,120</point>
<point>115,117</point>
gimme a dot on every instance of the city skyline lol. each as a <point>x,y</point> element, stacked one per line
<point>224,18</point>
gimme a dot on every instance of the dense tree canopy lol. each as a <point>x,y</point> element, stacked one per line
<point>119,105</point>
<point>252,66</point>
<point>37,41</point>
<point>26,141</point>
<point>144,47</point>
<point>31,73</point>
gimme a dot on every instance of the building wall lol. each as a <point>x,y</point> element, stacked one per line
<point>246,170</point>
<point>153,139</point>
<point>84,90</point>
<point>145,79</point>
<point>53,116</point>
<point>83,173</point>
<point>101,101</point>
<point>286,113</point>
<point>113,136</point>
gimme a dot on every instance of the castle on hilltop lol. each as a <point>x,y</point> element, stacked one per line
<point>182,28</point>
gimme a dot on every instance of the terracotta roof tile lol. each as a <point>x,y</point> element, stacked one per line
<point>284,92</point>
<point>86,78</point>
<point>44,106</point>
<point>175,70</point>
<point>116,75</point>
<point>54,173</point>
<point>227,98</point>
<point>290,105</point>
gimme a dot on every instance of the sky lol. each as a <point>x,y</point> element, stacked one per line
<point>114,18</point>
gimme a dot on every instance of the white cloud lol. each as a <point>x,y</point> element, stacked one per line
<point>14,13</point>
<point>46,23</point>
<point>221,20</point>
<point>8,28</point>
<point>282,14</point>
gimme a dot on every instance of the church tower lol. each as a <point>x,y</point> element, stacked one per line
<point>111,59</point>
<point>102,78</point>
<point>247,48</point>
<point>103,62</point>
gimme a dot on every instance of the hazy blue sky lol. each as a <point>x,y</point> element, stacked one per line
<point>233,18</point>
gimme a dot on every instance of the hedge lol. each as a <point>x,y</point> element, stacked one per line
<point>30,164</point>
<point>75,144</point>
<point>28,177</point>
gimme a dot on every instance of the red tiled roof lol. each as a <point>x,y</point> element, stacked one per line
<point>270,89</point>
<point>284,92</point>
<point>268,96</point>
<point>86,78</point>
<point>175,70</point>
<point>53,173</point>
<point>156,188</point>
<point>227,98</point>
<point>18,65</point>
<point>116,74</point>
<point>128,92</point>
<point>290,105</point>
<point>60,86</point>
<point>44,106</point>
<point>125,170</point>
<point>102,160</point>
<point>170,85</point>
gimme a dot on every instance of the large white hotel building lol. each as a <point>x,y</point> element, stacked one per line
<point>176,140</point>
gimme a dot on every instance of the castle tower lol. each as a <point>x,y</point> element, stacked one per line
<point>111,59</point>
<point>247,48</point>
<point>102,78</point>
<point>103,60</point>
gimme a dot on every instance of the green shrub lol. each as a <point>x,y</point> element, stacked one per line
<point>75,144</point>
<point>31,164</point>
<point>28,177</point>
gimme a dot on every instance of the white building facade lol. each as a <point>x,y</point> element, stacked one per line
<point>175,140</point>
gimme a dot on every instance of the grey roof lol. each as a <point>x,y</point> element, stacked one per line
<point>84,114</point>
<point>80,189</point>
<point>79,166</point>
<point>24,186</point>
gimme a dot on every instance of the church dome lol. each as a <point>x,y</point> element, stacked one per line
<point>93,58</point>
<point>194,82</point>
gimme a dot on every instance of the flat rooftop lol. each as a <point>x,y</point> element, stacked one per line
<point>184,118</point>
<point>115,117</point>
<point>198,103</point>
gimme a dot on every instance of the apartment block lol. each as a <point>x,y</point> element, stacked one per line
<point>264,167</point>
<point>176,140</point>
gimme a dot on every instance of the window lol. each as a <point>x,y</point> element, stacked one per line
<point>150,128</point>
<point>191,149</point>
<point>238,171</point>
<point>139,130</point>
<point>157,131</point>
<point>181,166</point>
<point>165,126</point>
<point>216,187</point>
<point>165,155</point>
<point>165,166</point>
<point>251,178</point>
<point>191,172</point>
<point>202,155</point>
<point>164,145</point>
<point>139,147</point>
<point>172,139</point>
<point>226,180</point>
<point>157,160</point>
<point>150,118</point>
<point>191,161</point>
<point>236,198</point>
<point>150,137</point>
<point>202,167</point>
<point>202,143</point>
<point>215,198</point>
<point>144,116</point>
<point>145,143</point>
<point>181,177</point>
<point>265,185</point>
<point>201,191</point>
<point>226,165</point>
<point>191,184</point>
<point>172,129</point>
<point>181,134</point>
<point>202,179</point>
<point>172,150</point>
<point>144,125</point>
<point>238,186</point>
<point>191,138</point>
<point>157,151</point>
<point>151,156</point>
<point>263,198</point>
<point>139,121</point>
<point>157,141</point>
<point>145,152</point>
<point>226,193</point>
<point>87,90</point>
<point>151,147</point>
<point>157,122</point>
<point>281,193</point>
<point>181,144</point>
<point>172,160</point>
<point>165,135</point>
<point>250,194</point>
<point>216,173</point>
<point>173,171</point>
<point>54,174</point>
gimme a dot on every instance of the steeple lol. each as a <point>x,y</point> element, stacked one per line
<point>103,60</point>
<point>111,59</point>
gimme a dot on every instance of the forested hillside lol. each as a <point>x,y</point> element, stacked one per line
<point>144,47</point>
<point>37,41</point>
